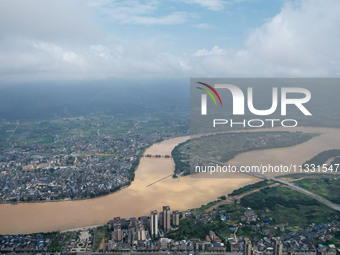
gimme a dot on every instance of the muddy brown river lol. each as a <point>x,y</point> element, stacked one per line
<point>139,199</point>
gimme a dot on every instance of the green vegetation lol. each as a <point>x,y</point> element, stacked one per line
<point>102,235</point>
<point>286,206</point>
<point>60,240</point>
<point>89,126</point>
<point>223,147</point>
<point>190,228</point>
<point>335,161</point>
<point>322,157</point>
<point>325,187</point>
<point>204,208</point>
<point>234,211</point>
<point>181,160</point>
<point>276,205</point>
<point>226,146</point>
<point>250,187</point>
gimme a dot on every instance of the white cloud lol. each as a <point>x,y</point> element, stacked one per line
<point>215,51</point>
<point>137,12</point>
<point>301,40</point>
<point>59,53</point>
<point>48,20</point>
<point>171,19</point>
<point>203,26</point>
<point>215,5</point>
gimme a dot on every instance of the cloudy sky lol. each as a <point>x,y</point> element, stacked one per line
<point>100,39</point>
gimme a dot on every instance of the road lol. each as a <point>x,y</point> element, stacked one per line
<point>235,236</point>
<point>231,199</point>
<point>15,129</point>
<point>308,193</point>
<point>288,184</point>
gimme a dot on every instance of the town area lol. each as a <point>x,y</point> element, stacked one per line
<point>153,234</point>
<point>72,167</point>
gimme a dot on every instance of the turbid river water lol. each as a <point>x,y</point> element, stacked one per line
<point>139,199</point>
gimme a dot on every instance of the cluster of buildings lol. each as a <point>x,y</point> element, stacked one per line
<point>278,247</point>
<point>301,240</point>
<point>141,233</point>
<point>167,221</point>
<point>24,243</point>
<point>275,249</point>
<point>70,168</point>
<point>149,234</point>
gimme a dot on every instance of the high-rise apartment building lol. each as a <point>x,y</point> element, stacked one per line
<point>277,247</point>
<point>175,218</point>
<point>154,224</point>
<point>247,247</point>
<point>166,219</point>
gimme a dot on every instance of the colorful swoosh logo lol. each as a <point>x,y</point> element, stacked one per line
<point>209,93</point>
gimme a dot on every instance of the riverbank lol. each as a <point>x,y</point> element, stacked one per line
<point>136,200</point>
<point>139,198</point>
<point>132,170</point>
